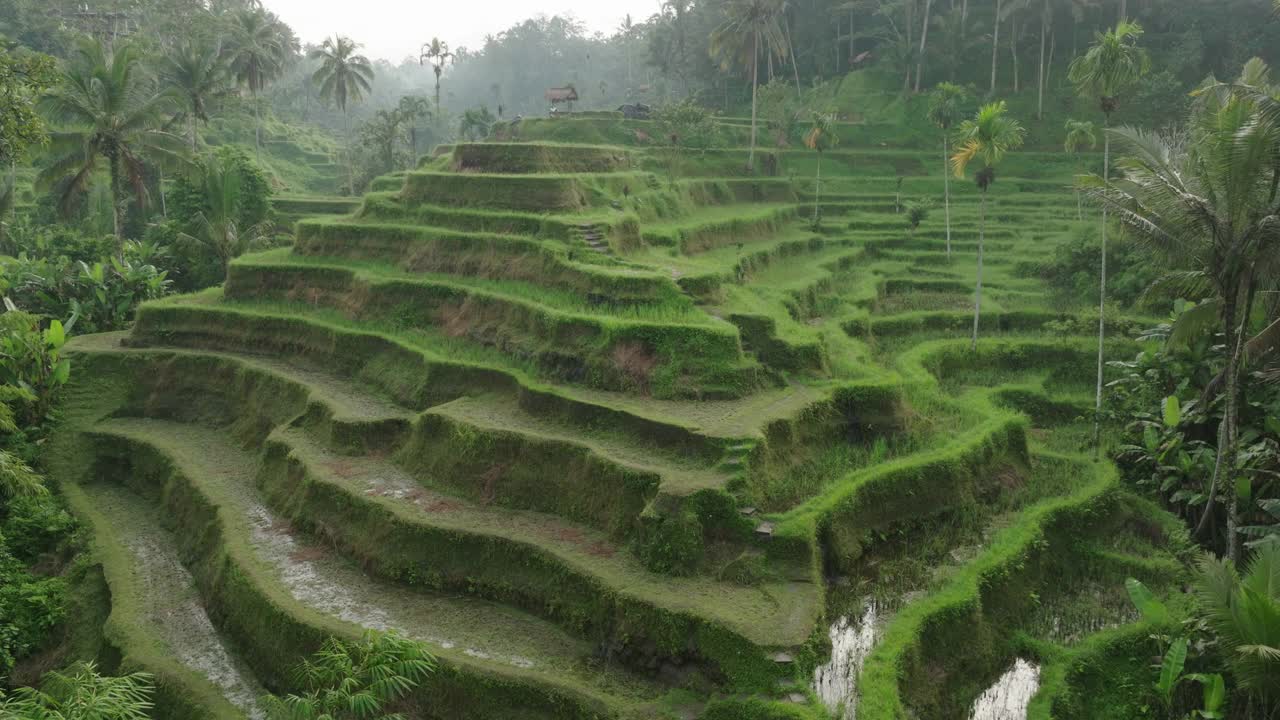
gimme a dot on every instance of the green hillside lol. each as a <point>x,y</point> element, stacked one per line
<point>617,442</point>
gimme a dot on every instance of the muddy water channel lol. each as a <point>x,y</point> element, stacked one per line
<point>852,639</point>
<point>1010,696</point>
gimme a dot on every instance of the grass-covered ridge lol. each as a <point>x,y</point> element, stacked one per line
<point>638,415</point>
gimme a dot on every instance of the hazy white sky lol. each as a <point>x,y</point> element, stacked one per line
<point>394,29</point>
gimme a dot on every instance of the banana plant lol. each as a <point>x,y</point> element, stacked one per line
<point>1173,661</point>
<point>31,359</point>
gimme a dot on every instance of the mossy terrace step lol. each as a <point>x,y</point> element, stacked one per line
<point>616,352</point>
<point>483,255</point>
<point>520,158</point>
<point>344,497</point>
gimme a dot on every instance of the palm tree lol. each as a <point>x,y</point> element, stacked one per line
<point>987,137</point>
<point>627,29</point>
<point>946,107</point>
<point>820,138</point>
<point>475,124</point>
<point>217,227</point>
<point>382,133</point>
<point>256,52</point>
<point>437,53</point>
<point>1209,210</point>
<point>1243,611</point>
<point>344,78</point>
<point>1112,64</point>
<point>747,25</point>
<point>110,113</point>
<point>197,72</point>
<point>1080,137</point>
<point>412,108</point>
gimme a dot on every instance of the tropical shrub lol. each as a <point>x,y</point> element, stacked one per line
<point>355,680</point>
<point>188,198</point>
<point>687,124</point>
<point>81,694</point>
<point>30,606</point>
<point>1242,608</point>
<point>1171,437</point>
<point>31,361</point>
<point>1072,270</point>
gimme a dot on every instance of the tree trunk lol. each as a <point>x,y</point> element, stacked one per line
<point>191,130</point>
<point>817,196</point>
<point>413,141</point>
<point>1102,291</point>
<point>1124,9</point>
<point>351,172</point>
<point>924,37</point>
<point>755,80</point>
<point>1233,430</point>
<point>977,298</point>
<point>995,46</point>
<point>837,45</point>
<point>1053,46</point>
<point>791,48</point>
<point>117,205</point>
<point>164,207</point>
<point>438,114</point>
<point>1013,51</point>
<point>1044,30</point>
<point>946,189</point>
<point>257,132</point>
<point>910,23</point>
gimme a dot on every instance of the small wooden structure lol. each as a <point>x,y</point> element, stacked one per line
<point>569,95</point>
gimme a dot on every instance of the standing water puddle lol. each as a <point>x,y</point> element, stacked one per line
<point>1010,696</point>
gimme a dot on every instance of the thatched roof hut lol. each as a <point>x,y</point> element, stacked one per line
<point>562,94</point>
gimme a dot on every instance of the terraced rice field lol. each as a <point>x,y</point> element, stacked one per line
<point>618,443</point>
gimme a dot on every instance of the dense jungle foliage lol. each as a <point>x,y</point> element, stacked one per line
<point>697,275</point>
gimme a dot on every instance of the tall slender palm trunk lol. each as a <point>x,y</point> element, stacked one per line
<point>257,128</point>
<point>946,189</point>
<point>117,204</point>
<point>351,172</point>
<point>191,131</point>
<point>1044,31</point>
<point>995,47</point>
<point>1013,51</point>
<point>1102,291</point>
<point>1226,460</point>
<point>924,37</point>
<point>817,195</point>
<point>755,81</point>
<point>791,48</point>
<point>977,298</point>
